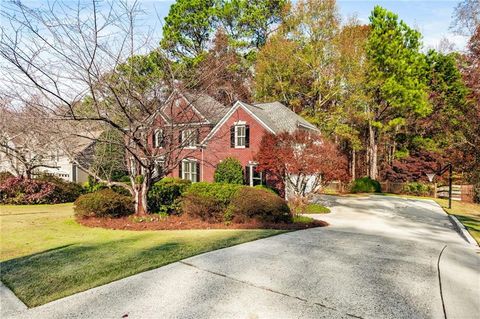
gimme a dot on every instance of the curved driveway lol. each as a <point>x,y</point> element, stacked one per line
<point>381,257</point>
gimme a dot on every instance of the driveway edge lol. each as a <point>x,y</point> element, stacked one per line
<point>460,228</point>
<point>9,302</point>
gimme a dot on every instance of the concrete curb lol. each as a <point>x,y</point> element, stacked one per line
<point>462,230</point>
<point>9,303</point>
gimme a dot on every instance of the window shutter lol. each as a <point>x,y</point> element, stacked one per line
<point>232,136</point>
<point>162,139</point>
<point>154,138</point>
<point>197,178</point>
<point>247,175</point>
<point>247,136</point>
<point>180,170</point>
<point>197,140</point>
<point>180,137</point>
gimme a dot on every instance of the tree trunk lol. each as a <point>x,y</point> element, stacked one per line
<point>373,152</point>
<point>140,194</point>
<point>354,163</point>
<point>28,173</point>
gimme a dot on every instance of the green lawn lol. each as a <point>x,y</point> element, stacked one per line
<point>316,209</point>
<point>467,213</point>
<point>46,255</point>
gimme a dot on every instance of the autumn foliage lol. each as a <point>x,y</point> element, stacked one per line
<point>301,158</point>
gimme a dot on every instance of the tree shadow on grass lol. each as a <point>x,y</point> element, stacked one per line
<point>62,271</point>
<point>55,273</point>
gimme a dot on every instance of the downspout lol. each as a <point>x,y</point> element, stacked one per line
<point>201,166</point>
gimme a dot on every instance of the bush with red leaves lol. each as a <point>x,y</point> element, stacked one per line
<point>22,191</point>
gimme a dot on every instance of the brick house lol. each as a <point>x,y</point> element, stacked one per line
<point>215,132</point>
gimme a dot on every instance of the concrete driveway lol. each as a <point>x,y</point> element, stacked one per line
<point>382,257</point>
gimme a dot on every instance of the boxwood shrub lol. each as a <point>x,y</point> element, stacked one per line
<point>209,201</point>
<point>258,205</point>
<point>365,185</point>
<point>230,171</point>
<point>104,203</point>
<point>164,196</point>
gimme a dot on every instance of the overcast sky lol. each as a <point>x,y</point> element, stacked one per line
<point>431,17</point>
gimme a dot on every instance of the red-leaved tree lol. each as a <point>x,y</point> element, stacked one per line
<point>303,161</point>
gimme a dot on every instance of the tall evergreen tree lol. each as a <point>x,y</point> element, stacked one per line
<point>395,78</point>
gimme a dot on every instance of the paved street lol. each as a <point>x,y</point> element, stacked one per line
<point>381,257</point>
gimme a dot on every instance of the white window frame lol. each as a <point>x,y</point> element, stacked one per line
<point>251,170</point>
<point>189,138</point>
<point>158,138</point>
<point>158,165</point>
<point>238,136</point>
<point>189,173</point>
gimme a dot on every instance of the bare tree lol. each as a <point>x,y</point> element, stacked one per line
<point>466,17</point>
<point>85,61</point>
<point>22,149</point>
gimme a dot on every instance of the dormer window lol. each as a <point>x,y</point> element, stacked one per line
<point>158,138</point>
<point>240,135</point>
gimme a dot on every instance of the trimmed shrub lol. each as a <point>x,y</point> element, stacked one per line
<point>221,192</point>
<point>230,171</point>
<point>206,208</point>
<point>365,185</point>
<point>22,191</point>
<point>104,203</point>
<point>266,188</point>
<point>257,204</point>
<point>164,196</point>
<point>209,201</point>
<point>417,189</point>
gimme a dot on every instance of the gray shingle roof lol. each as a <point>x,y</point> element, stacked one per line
<point>279,117</point>
<point>210,108</point>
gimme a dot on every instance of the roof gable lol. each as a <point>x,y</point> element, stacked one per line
<point>275,117</point>
<point>193,107</point>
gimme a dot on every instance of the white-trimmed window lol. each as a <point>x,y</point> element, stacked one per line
<point>159,163</point>
<point>158,138</point>
<point>253,175</point>
<point>240,135</point>
<point>189,138</point>
<point>190,170</point>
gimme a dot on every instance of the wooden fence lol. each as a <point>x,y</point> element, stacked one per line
<point>463,193</point>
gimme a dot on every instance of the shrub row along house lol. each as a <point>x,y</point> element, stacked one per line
<point>210,132</point>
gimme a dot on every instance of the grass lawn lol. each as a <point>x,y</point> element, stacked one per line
<point>46,255</point>
<point>467,213</point>
<point>316,209</point>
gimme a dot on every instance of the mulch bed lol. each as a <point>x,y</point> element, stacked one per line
<point>184,222</point>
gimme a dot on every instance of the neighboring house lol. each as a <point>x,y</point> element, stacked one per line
<point>217,132</point>
<point>51,160</point>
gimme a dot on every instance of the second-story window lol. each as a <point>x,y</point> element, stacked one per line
<point>240,136</point>
<point>158,138</point>
<point>189,138</point>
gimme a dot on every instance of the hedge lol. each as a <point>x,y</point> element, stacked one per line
<point>164,196</point>
<point>365,185</point>
<point>104,203</point>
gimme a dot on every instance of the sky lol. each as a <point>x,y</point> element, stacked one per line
<point>431,17</point>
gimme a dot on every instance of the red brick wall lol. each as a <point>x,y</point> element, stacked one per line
<point>218,147</point>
